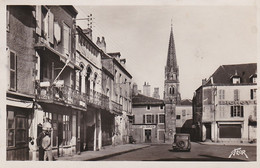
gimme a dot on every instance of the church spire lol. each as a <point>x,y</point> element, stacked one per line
<point>171,58</point>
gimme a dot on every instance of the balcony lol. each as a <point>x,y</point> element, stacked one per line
<point>68,96</point>
<point>116,107</point>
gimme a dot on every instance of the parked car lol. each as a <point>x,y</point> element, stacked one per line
<point>181,142</point>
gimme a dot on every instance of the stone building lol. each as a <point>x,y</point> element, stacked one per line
<point>148,124</point>
<point>20,31</point>
<point>224,106</point>
<point>121,98</point>
<point>172,96</point>
<point>184,116</point>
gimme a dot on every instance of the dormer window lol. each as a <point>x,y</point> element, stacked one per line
<point>235,78</point>
<point>253,78</point>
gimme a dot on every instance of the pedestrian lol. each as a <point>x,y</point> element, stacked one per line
<point>39,144</point>
<point>46,141</point>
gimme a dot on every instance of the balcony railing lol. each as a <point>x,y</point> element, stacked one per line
<point>116,107</point>
<point>67,95</point>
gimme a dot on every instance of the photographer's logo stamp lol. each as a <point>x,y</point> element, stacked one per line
<point>238,152</point>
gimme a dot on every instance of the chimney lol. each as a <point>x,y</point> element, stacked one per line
<point>88,33</point>
<point>204,81</point>
<point>147,89</point>
<point>135,89</point>
<point>156,93</point>
<point>101,44</point>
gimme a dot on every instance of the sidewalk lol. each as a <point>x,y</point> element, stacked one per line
<point>227,143</point>
<point>105,152</point>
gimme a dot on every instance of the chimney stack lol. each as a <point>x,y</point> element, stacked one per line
<point>101,44</point>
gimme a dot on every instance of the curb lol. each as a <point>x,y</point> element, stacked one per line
<point>226,144</point>
<point>114,154</point>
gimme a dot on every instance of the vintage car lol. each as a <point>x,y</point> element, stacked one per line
<point>181,142</point>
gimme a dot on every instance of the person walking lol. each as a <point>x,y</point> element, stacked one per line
<point>46,141</point>
<point>39,144</point>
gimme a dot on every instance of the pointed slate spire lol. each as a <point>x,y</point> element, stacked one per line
<point>171,58</point>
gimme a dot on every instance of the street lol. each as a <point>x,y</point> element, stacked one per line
<point>199,152</point>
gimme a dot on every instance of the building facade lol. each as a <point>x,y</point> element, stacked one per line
<point>56,73</point>
<point>225,105</point>
<point>184,116</point>
<point>148,124</point>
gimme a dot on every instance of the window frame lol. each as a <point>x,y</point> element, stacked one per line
<point>237,111</point>
<point>12,70</point>
<point>66,51</point>
<point>159,118</point>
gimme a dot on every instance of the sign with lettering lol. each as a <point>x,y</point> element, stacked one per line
<point>143,126</point>
<point>245,102</point>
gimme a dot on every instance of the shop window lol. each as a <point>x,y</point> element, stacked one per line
<point>16,129</point>
<point>161,118</point>
<point>66,130</point>
<point>178,117</point>
<point>13,70</point>
<point>183,112</point>
<point>237,111</point>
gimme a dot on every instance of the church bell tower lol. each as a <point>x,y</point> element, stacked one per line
<point>171,90</point>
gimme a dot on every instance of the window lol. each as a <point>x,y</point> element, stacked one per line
<point>66,39</point>
<point>149,119</point>
<point>237,111</point>
<point>66,130</point>
<point>183,112</point>
<point>236,80</point>
<point>221,94</point>
<point>16,129</point>
<point>148,107</point>
<point>13,73</point>
<point>7,18</point>
<point>254,80</point>
<point>161,118</point>
<point>253,94</point>
<point>161,107</point>
<point>178,117</point>
<point>10,129</point>
<point>236,95</point>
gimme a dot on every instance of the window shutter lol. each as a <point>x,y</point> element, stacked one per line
<point>38,19</point>
<point>144,119</point>
<point>156,118</point>
<point>7,18</point>
<point>51,27</point>
<point>251,94</point>
<point>242,111</point>
<point>231,111</point>
<point>153,118</point>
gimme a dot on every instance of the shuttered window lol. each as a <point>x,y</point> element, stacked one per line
<point>66,39</point>
<point>13,72</point>
<point>51,27</point>
<point>236,95</point>
<point>38,19</point>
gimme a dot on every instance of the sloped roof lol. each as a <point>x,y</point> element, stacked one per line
<point>140,99</point>
<point>186,102</point>
<point>224,73</point>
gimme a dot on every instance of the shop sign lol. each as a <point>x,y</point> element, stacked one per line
<point>246,102</point>
<point>143,126</point>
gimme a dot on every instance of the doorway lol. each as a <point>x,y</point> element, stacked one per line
<point>208,131</point>
<point>148,135</point>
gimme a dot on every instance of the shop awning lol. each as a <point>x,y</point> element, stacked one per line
<point>19,103</point>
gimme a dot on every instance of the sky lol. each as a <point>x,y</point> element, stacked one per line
<point>205,38</point>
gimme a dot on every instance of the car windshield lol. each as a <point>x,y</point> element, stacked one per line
<point>183,137</point>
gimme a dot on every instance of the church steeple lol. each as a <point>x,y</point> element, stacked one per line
<point>171,58</point>
<point>171,68</point>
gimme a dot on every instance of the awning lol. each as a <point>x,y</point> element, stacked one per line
<point>19,103</point>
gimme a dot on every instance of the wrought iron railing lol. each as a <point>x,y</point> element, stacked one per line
<point>67,95</point>
<point>116,107</point>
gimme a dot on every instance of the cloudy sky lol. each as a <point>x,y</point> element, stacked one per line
<point>205,38</point>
